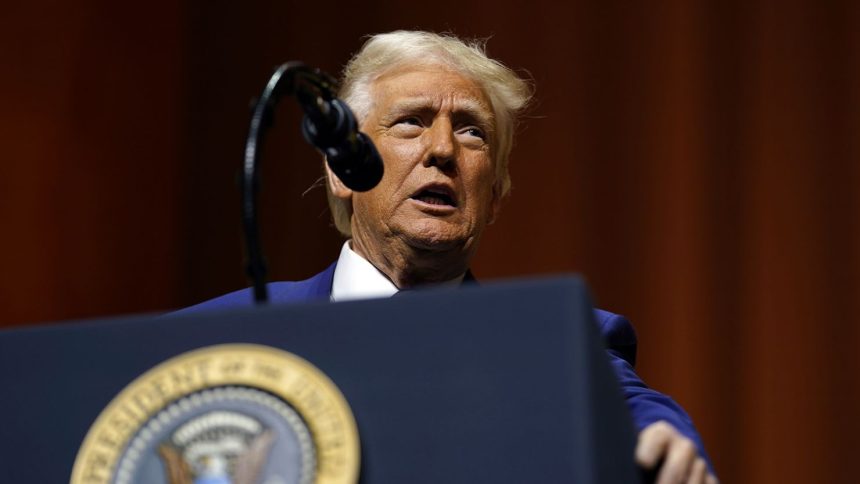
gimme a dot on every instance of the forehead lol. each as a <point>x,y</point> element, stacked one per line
<point>431,85</point>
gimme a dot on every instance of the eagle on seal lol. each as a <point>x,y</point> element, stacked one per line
<point>214,467</point>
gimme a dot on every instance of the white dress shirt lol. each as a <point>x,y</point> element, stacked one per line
<point>356,278</point>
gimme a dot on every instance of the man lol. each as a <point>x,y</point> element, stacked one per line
<point>442,115</point>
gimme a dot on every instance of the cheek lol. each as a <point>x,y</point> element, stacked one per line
<point>482,181</point>
<point>399,159</point>
<point>382,200</point>
<point>398,154</point>
<point>370,208</point>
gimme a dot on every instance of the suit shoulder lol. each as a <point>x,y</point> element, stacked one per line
<point>236,299</point>
<point>618,333</point>
<point>314,288</point>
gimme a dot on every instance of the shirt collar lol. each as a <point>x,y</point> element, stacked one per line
<point>356,278</point>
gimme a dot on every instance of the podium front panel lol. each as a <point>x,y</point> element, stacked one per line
<point>500,383</point>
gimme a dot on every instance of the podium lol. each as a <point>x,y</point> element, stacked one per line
<point>500,383</point>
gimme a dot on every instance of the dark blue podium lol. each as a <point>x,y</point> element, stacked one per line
<point>505,382</point>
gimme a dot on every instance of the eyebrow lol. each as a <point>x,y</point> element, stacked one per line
<point>471,108</point>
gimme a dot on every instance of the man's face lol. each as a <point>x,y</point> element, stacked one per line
<point>434,129</point>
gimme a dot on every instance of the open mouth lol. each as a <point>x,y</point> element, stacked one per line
<point>441,196</point>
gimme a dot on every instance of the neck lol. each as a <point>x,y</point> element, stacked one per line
<point>407,266</point>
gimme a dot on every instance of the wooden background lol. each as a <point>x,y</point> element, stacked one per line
<point>697,161</point>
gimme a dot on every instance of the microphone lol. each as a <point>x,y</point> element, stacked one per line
<point>331,127</point>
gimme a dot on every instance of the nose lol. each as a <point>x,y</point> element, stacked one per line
<point>442,151</point>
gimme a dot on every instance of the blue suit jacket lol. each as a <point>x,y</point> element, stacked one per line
<point>646,405</point>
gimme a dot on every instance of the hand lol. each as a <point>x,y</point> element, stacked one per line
<point>681,460</point>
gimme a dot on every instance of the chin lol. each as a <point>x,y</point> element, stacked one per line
<point>435,234</point>
<point>435,240</point>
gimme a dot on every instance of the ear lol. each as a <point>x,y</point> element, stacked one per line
<point>337,188</point>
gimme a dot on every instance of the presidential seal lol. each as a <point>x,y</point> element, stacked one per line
<point>228,414</point>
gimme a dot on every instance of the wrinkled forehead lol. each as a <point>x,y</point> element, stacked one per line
<point>429,85</point>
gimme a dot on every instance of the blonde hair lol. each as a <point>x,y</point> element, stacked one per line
<point>508,93</point>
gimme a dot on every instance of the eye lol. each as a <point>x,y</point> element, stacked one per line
<point>473,131</point>
<point>406,127</point>
<point>411,120</point>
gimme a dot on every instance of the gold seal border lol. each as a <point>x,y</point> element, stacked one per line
<point>309,391</point>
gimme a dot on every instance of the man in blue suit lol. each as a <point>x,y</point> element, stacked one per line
<point>442,115</point>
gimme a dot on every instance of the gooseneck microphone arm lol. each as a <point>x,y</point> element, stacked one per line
<point>328,124</point>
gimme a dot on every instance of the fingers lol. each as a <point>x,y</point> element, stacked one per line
<point>653,441</point>
<point>680,456</point>
<point>681,460</point>
<point>698,471</point>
